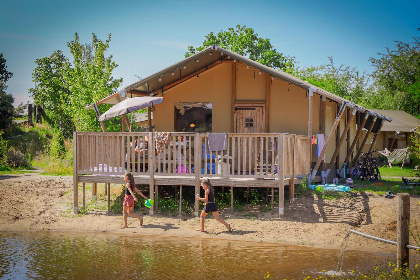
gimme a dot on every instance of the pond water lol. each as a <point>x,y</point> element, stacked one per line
<point>48,255</point>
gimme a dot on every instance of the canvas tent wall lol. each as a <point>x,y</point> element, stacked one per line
<point>237,86</point>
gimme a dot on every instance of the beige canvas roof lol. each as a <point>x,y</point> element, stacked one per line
<point>401,121</point>
<point>208,58</point>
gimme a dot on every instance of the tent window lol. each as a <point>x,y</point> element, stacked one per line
<point>249,122</point>
<point>193,117</point>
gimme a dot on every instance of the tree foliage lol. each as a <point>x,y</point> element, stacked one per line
<point>6,100</point>
<point>52,91</point>
<point>4,74</point>
<point>65,87</point>
<point>246,42</point>
<point>397,77</point>
<point>89,79</point>
<point>341,80</point>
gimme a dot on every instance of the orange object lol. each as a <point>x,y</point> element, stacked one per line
<point>379,184</point>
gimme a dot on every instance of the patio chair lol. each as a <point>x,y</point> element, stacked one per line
<point>396,157</point>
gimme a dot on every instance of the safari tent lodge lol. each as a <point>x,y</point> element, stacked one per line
<point>234,120</point>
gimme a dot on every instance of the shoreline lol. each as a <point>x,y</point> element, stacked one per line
<point>31,202</point>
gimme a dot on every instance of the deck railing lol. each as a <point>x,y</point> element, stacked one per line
<point>187,154</point>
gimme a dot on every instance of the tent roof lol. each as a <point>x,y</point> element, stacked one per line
<point>401,121</point>
<point>210,57</point>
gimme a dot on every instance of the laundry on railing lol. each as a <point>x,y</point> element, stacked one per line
<point>161,139</point>
<point>217,141</point>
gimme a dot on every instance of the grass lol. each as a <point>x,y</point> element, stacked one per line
<point>8,170</point>
<point>53,166</point>
<point>396,171</point>
<point>391,181</point>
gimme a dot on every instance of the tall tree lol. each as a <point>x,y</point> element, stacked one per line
<point>51,91</point>
<point>6,100</point>
<point>89,79</point>
<point>397,77</point>
<point>65,87</point>
<point>246,42</point>
<point>4,74</point>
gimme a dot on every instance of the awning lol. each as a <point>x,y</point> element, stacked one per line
<point>401,121</point>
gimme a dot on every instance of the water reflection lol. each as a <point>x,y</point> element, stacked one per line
<point>44,255</point>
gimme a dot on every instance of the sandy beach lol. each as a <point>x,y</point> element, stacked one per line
<point>32,202</point>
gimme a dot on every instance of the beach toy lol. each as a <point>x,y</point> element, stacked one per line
<point>339,188</point>
<point>149,203</point>
<point>332,187</point>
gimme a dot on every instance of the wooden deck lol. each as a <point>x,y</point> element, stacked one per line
<point>270,160</point>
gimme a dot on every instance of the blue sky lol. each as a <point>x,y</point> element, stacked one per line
<point>150,35</point>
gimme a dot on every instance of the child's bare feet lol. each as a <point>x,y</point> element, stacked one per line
<point>229,228</point>
<point>124,227</point>
<point>202,230</point>
<point>141,221</point>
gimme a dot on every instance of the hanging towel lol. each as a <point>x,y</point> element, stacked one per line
<point>314,140</point>
<point>320,144</point>
<point>217,141</point>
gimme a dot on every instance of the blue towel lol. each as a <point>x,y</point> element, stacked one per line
<point>217,141</point>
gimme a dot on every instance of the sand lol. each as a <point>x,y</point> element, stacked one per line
<point>32,202</point>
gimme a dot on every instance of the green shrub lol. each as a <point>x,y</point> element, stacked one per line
<point>16,158</point>
<point>57,148</point>
<point>3,150</point>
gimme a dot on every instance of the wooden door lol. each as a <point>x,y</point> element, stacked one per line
<point>249,118</point>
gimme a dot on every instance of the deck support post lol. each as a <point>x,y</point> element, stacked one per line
<point>197,170</point>
<point>108,187</point>
<point>151,155</point>
<point>272,200</point>
<point>84,196</point>
<point>75,176</point>
<point>156,205</point>
<point>180,201</point>
<point>281,173</point>
<point>292,178</point>
<point>231,199</point>
<point>94,190</point>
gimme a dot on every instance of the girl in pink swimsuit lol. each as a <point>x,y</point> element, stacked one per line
<point>129,199</point>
